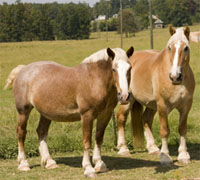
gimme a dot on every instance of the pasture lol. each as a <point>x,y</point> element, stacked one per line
<point>64,139</point>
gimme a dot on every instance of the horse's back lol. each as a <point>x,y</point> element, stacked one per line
<point>145,55</point>
<point>42,74</point>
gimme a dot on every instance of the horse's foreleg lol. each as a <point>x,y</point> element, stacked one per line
<point>42,131</point>
<point>87,124</point>
<point>102,122</point>
<point>122,118</point>
<point>183,155</point>
<point>21,132</point>
<point>147,118</point>
<point>165,159</point>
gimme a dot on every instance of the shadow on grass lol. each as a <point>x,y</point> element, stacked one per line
<point>34,166</point>
<point>118,163</point>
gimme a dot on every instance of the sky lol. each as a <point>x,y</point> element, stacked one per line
<point>90,2</point>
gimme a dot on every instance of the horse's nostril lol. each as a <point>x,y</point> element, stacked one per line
<point>170,76</point>
<point>119,96</point>
<point>180,77</point>
<point>176,78</point>
<point>128,97</point>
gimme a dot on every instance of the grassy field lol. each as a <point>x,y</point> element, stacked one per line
<point>65,138</point>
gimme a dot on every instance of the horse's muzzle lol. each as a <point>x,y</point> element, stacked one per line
<point>123,98</point>
<point>176,80</point>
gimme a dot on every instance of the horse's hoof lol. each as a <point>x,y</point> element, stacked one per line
<point>24,168</point>
<point>155,152</point>
<point>90,173</point>
<point>100,167</point>
<point>51,164</point>
<point>165,159</point>
<point>184,161</point>
<point>124,152</point>
<point>166,164</point>
<point>184,158</point>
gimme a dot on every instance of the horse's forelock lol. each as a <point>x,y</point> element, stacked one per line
<point>120,54</point>
<point>178,36</point>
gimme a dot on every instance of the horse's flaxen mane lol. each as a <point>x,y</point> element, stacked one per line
<point>102,55</point>
<point>178,36</point>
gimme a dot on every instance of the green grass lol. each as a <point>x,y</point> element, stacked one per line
<point>65,138</point>
<point>140,166</point>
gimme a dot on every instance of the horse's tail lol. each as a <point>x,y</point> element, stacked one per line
<point>137,125</point>
<point>12,76</point>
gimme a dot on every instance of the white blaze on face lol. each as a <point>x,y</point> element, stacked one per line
<point>175,70</point>
<point>122,69</point>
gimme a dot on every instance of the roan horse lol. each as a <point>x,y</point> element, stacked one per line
<point>161,81</point>
<point>86,92</point>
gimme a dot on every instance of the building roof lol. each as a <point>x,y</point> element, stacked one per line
<point>158,21</point>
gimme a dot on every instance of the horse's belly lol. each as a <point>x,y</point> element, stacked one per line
<point>63,117</point>
<point>59,113</point>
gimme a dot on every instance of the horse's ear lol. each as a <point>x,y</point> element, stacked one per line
<point>130,51</point>
<point>187,32</point>
<point>111,54</point>
<point>172,30</point>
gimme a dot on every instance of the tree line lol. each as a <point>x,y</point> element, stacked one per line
<point>28,22</point>
<point>136,13</point>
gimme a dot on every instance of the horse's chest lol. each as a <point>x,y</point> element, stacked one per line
<point>144,96</point>
<point>176,95</point>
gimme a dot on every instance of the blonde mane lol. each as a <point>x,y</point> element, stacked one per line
<point>120,54</point>
<point>178,36</point>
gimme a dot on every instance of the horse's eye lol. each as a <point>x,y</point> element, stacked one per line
<point>169,48</point>
<point>186,49</point>
<point>113,70</point>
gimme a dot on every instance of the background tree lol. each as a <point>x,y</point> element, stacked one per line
<point>102,7</point>
<point>179,12</point>
<point>42,24</point>
<point>115,5</point>
<point>5,27</point>
<point>73,21</point>
<point>129,22</point>
<point>141,9</point>
<point>27,22</point>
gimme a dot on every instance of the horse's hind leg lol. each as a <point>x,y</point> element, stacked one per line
<point>147,118</point>
<point>183,155</point>
<point>122,118</point>
<point>21,132</point>
<point>42,130</point>
<point>102,122</point>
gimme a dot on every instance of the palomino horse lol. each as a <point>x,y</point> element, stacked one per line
<point>67,94</point>
<point>161,81</point>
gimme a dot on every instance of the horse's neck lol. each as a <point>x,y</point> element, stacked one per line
<point>163,61</point>
<point>101,71</point>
